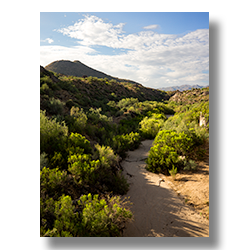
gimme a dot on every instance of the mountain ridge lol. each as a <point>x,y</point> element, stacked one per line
<point>78,69</point>
<point>182,87</point>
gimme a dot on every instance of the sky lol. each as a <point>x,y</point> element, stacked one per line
<point>158,49</point>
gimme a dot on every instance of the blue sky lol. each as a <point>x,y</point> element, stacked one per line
<point>157,49</point>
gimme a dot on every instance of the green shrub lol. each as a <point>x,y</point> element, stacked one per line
<point>150,126</point>
<point>55,106</point>
<point>83,168</point>
<point>161,158</point>
<point>91,217</point>
<point>53,135</point>
<point>97,118</point>
<point>190,165</point>
<point>106,156</point>
<point>78,143</point>
<point>80,119</point>
<point>45,90</point>
<point>173,171</point>
<point>52,182</point>
<point>168,146</point>
<point>126,102</point>
<point>125,142</point>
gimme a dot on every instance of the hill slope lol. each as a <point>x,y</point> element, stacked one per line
<point>76,68</point>
<point>92,91</point>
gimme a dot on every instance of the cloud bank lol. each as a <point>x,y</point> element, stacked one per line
<point>152,59</point>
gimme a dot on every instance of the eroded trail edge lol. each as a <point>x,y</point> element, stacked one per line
<point>158,211</point>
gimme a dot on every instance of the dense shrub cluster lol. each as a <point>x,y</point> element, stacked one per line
<point>179,139</point>
<point>70,167</point>
<point>150,126</point>
<point>88,217</point>
<point>167,149</point>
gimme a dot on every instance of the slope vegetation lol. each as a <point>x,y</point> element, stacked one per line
<point>87,126</point>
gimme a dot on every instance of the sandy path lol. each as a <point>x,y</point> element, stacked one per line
<point>158,211</point>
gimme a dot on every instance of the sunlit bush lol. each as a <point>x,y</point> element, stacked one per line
<point>53,134</point>
<point>150,126</point>
<point>90,217</point>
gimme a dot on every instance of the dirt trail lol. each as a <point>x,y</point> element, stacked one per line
<point>158,211</point>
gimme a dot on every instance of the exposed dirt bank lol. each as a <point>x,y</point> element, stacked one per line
<point>158,210</point>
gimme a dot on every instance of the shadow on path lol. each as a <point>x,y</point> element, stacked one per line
<point>158,211</point>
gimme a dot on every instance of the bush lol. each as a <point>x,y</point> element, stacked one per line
<point>161,158</point>
<point>45,90</point>
<point>52,182</point>
<point>55,106</point>
<point>149,127</point>
<point>97,118</point>
<point>125,142</point>
<point>53,134</point>
<point>83,168</point>
<point>106,156</point>
<point>78,144</point>
<point>167,148</point>
<point>91,217</point>
<point>80,119</point>
<point>126,102</point>
<point>190,165</point>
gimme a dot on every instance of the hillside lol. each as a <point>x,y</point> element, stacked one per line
<point>76,68</point>
<point>191,96</point>
<point>92,91</point>
<point>182,87</point>
<point>87,127</point>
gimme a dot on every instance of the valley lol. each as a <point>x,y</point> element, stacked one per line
<point>103,140</point>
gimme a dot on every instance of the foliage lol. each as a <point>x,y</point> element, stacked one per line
<point>44,162</point>
<point>52,134</point>
<point>190,165</point>
<point>78,144</point>
<point>90,217</point>
<point>168,146</point>
<point>80,119</point>
<point>96,117</point>
<point>126,102</point>
<point>86,127</point>
<point>83,168</point>
<point>53,182</point>
<point>45,90</point>
<point>125,142</point>
<point>106,156</point>
<point>55,106</point>
<point>150,126</point>
<point>173,171</point>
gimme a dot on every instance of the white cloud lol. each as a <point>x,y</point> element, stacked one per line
<point>151,27</point>
<point>49,40</point>
<point>156,60</point>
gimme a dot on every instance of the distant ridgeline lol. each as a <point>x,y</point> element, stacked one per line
<point>183,87</point>
<point>76,68</point>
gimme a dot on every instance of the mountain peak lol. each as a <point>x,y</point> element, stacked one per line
<point>77,68</point>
